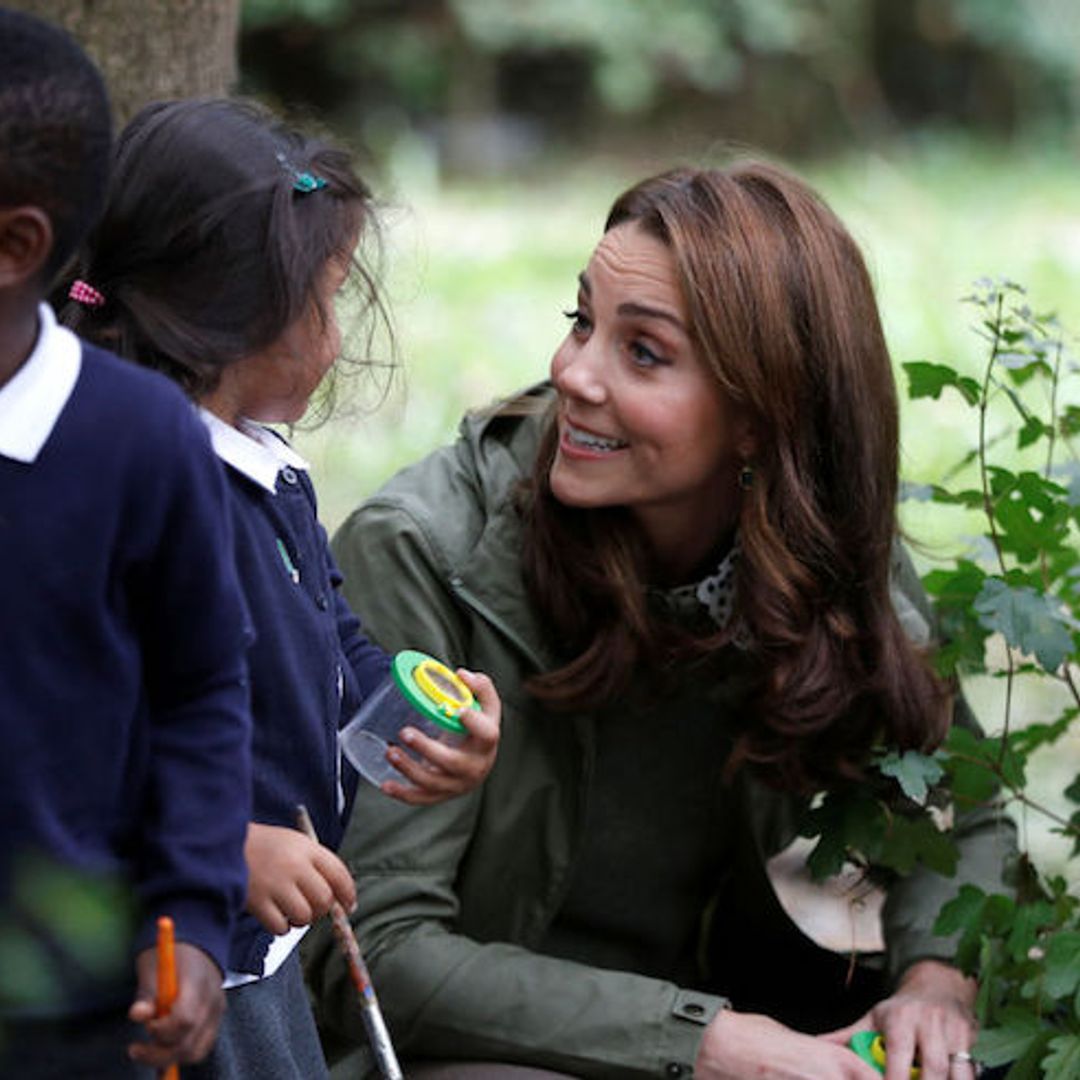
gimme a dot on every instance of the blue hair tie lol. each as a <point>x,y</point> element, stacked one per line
<point>303,182</point>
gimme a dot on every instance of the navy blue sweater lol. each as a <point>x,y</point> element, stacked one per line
<point>310,667</point>
<point>124,712</point>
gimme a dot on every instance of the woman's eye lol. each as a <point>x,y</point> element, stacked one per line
<point>643,356</point>
<point>579,323</point>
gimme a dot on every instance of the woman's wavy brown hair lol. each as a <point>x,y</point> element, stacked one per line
<point>782,310</point>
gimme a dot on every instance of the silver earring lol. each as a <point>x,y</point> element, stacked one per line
<point>746,478</point>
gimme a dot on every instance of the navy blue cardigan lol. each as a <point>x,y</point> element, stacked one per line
<point>310,667</point>
<point>123,700</point>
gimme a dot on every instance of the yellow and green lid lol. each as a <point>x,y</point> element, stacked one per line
<point>432,689</point>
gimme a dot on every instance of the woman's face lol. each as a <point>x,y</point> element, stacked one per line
<point>642,422</point>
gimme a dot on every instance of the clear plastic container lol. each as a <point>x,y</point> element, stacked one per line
<point>419,692</point>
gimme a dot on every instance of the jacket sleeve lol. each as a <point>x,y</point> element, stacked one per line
<point>985,836</point>
<point>190,862</point>
<point>444,993</point>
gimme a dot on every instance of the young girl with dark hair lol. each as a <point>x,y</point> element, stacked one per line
<point>680,562</point>
<point>225,239</point>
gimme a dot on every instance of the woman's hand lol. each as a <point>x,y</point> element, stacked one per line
<point>928,1019</point>
<point>292,880</point>
<point>740,1045</point>
<point>188,1032</point>
<point>446,771</point>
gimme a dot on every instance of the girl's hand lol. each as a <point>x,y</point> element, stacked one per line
<point>292,880</point>
<point>446,771</point>
<point>737,1045</point>
<point>188,1032</point>
<point>927,1019</point>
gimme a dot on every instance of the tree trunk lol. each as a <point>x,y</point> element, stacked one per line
<point>152,49</point>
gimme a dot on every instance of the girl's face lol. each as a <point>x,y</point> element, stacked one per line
<point>275,385</point>
<point>642,422</point>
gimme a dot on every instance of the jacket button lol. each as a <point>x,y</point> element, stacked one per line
<point>674,1069</point>
<point>322,602</point>
<point>288,475</point>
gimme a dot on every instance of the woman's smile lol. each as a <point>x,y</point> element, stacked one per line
<point>580,441</point>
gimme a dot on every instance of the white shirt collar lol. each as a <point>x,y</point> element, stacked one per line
<point>33,398</point>
<point>251,449</point>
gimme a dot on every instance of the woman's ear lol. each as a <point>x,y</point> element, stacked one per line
<point>746,440</point>
<point>26,241</point>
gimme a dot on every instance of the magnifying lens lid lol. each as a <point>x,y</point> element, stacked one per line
<point>432,688</point>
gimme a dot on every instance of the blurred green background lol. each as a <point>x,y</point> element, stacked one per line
<point>497,132</point>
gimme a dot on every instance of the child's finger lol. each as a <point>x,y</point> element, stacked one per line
<point>426,777</point>
<point>435,754</point>
<point>269,914</point>
<point>200,1015</point>
<point>483,729</point>
<point>337,876</point>
<point>487,698</point>
<point>163,1042</point>
<point>288,906</point>
<point>144,1007</point>
<point>409,794</point>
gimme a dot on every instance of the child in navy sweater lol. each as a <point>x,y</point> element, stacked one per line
<point>225,239</point>
<point>124,717</point>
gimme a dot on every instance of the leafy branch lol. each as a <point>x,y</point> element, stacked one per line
<point>1022,589</point>
<point>1009,609</point>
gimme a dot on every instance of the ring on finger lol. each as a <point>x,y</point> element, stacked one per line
<point>963,1057</point>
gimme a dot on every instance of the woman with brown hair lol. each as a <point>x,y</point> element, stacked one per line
<point>679,562</point>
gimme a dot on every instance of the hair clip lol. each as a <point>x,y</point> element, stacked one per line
<point>302,182</point>
<point>83,293</point>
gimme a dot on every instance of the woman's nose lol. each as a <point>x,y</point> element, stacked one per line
<point>576,372</point>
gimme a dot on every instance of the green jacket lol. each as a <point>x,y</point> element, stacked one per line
<point>452,899</point>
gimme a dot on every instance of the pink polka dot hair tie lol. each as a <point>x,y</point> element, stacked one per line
<point>82,293</point>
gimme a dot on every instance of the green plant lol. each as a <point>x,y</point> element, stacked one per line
<point>1011,609</point>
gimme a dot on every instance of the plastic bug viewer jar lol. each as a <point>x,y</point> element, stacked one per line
<point>420,692</point>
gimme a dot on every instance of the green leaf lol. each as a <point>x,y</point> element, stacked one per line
<point>1033,430</point>
<point>972,763</point>
<point>928,380</point>
<point>1072,792</point>
<point>913,840</point>
<point>1009,1040</point>
<point>1063,1060</point>
<point>962,913</point>
<point>845,821</point>
<point>972,498</point>
<point>1028,920</point>
<point>954,593</point>
<point>1026,739</point>
<point>915,773</point>
<point>1062,964</point>
<point>1029,1065</point>
<point>961,585</point>
<point>1027,619</point>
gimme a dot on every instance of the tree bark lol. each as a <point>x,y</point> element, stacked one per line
<point>151,49</point>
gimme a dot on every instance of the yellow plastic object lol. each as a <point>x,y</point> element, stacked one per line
<point>870,1046</point>
<point>442,686</point>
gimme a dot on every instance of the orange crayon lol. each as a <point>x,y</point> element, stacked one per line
<point>167,985</point>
